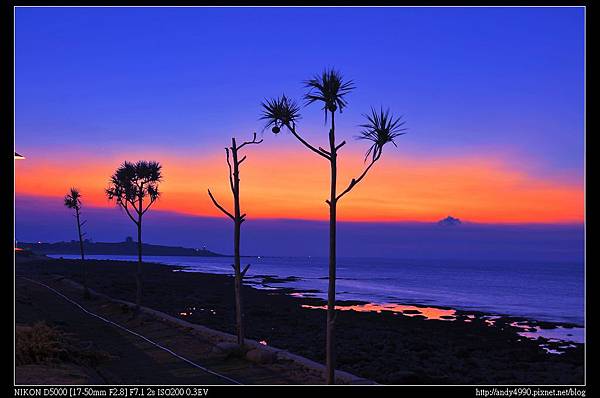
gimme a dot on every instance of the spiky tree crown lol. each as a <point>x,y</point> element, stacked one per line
<point>381,128</point>
<point>134,181</point>
<point>329,88</point>
<point>73,199</point>
<point>280,111</point>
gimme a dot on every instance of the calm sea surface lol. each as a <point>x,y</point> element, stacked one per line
<point>539,290</point>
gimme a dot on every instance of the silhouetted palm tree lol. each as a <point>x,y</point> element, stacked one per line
<point>330,89</point>
<point>238,218</point>
<point>73,201</point>
<point>134,187</point>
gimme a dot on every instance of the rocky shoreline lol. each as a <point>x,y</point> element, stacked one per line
<point>400,343</point>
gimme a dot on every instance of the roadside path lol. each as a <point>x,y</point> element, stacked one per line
<point>135,360</point>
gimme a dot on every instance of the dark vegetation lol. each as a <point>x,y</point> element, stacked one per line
<point>134,188</point>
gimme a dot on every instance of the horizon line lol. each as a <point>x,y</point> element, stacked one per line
<point>465,222</point>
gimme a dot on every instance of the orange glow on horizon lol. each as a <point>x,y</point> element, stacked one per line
<point>295,185</point>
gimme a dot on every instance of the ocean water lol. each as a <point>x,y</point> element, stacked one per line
<point>545,291</point>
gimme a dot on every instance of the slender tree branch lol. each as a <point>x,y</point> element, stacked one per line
<point>355,181</point>
<point>124,205</point>
<point>219,206</point>
<point>245,270</point>
<point>292,129</point>
<point>131,203</point>
<point>230,170</point>
<point>240,161</point>
<point>254,141</point>
<point>340,145</point>
<point>326,152</point>
<point>149,204</point>
<point>140,197</point>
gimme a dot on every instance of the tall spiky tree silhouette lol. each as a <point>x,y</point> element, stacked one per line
<point>73,201</point>
<point>330,89</point>
<point>134,187</point>
<point>233,162</point>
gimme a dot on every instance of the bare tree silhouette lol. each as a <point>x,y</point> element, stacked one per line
<point>330,89</point>
<point>238,218</point>
<point>134,187</point>
<point>73,201</point>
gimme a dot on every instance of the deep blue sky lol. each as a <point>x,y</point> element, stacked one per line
<point>488,82</point>
<point>507,80</point>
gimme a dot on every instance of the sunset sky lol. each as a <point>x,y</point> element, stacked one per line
<point>493,99</point>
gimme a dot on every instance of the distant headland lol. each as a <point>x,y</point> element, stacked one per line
<point>128,247</point>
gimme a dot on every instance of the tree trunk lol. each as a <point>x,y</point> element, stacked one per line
<point>329,347</point>
<point>86,291</point>
<point>138,273</point>
<point>238,286</point>
<point>236,246</point>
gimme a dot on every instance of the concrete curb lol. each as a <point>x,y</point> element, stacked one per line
<point>215,336</point>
